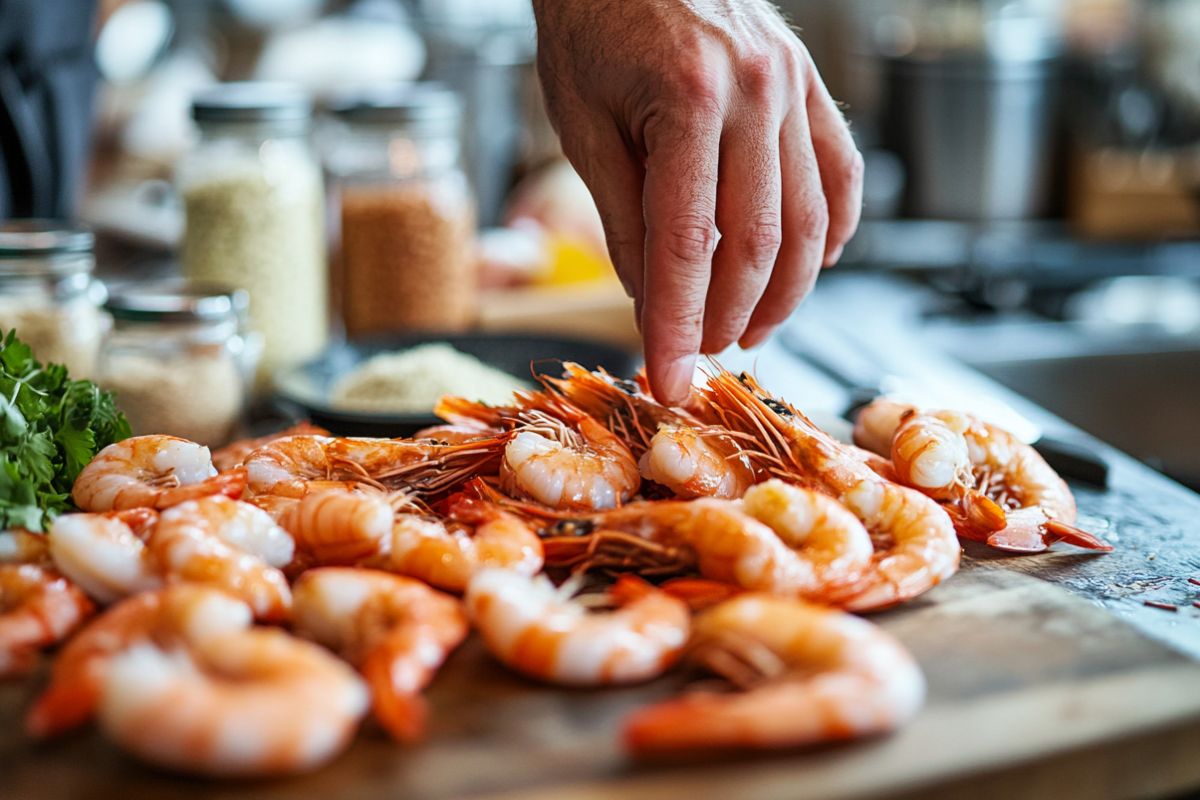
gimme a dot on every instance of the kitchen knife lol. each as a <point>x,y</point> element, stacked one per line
<point>863,381</point>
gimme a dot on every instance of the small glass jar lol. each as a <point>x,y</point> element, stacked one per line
<point>179,359</point>
<point>408,257</point>
<point>253,198</point>
<point>48,294</point>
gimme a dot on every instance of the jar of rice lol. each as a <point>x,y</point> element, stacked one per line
<point>254,202</point>
<point>48,294</point>
<point>179,359</point>
<point>407,214</point>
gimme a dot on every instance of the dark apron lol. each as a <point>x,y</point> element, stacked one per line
<point>47,75</point>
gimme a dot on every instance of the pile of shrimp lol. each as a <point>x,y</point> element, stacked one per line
<point>241,613</point>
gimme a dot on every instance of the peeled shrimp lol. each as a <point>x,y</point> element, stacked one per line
<point>151,472</point>
<point>535,629</point>
<point>447,552</point>
<point>105,554</point>
<point>185,612</point>
<point>977,467</point>
<point>233,701</point>
<point>675,448</point>
<point>916,545</point>
<point>227,544</point>
<point>780,539</point>
<point>809,675</point>
<point>286,466</point>
<point>572,464</point>
<point>396,630</point>
<point>22,547</point>
<point>38,608</point>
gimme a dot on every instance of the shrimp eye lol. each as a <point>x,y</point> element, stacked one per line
<point>628,387</point>
<point>777,407</point>
<point>572,527</point>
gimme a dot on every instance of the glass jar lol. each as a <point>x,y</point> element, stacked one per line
<point>254,202</point>
<point>48,294</point>
<point>408,257</point>
<point>179,359</point>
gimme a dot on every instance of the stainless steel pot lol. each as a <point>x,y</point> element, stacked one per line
<point>976,133</point>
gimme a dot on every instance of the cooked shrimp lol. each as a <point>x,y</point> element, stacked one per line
<point>535,629</point>
<point>233,701</point>
<point>233,455</point>
<point>674,447</point>
<point>566,459</point>
<point>338,526</point>
<point>38,608</point>
<point>396,630</point>
<point>809,675</point>
<point>185,612</point>
<point>228,544</point>
<point>105,555</point>
<point>978,467</point>
<point>286,466</point>
<point>916,545</point>
<point>23,547</point>
<point>693,463</point>
<point>447,552</point>
<point>780,539</point>
<point>151,472</point>
<point>456,433</point>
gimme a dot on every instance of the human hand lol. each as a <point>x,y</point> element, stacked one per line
<point>689,117</point>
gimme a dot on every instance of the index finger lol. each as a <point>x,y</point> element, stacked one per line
<point>680,200</point>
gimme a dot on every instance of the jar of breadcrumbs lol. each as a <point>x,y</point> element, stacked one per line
<point>407,255</point>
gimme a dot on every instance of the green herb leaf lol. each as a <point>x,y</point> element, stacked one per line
<point>50,428</point>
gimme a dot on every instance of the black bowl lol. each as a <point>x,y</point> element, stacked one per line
<point>304,390</point>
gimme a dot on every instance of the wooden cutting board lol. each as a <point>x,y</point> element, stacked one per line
<point>1048,677</point>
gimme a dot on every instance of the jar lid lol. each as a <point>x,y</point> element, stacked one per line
<point>252,101</point>
<point>22,238</point>
<point>419,105</point>
<point>177,301</point>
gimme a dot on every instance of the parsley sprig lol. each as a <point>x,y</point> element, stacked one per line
<point>50,428</point>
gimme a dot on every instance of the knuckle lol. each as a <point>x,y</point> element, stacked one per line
<point>691,238</point>
<point>812,223</point>
<point>761,239</point>
<point>698,84</point>
<point>757,75</point>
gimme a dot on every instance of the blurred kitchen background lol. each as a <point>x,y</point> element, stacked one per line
<point>1032,191</point>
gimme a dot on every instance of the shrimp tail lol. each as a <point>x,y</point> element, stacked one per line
<point>699,593</point>
<point>461,411</point>
<point>403,714</point>
<point>1029,538</point>
<point>63,707</point>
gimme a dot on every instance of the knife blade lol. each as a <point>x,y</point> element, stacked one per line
<point>851,369</point>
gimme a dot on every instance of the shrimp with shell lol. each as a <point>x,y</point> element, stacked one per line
<point>806,675</point>
<point>780,538</point>
<point>287,466</point>
<point>674,447</point>
<point>999,489</point>
<point>915,542</point>
<point>151,472</point>
<point>446,551</point>
<point>396,630</point>
<point>539,631</point>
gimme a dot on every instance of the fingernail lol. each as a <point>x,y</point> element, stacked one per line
<point>755,336</point>
<point>835,256</point>
<point>678,379</point>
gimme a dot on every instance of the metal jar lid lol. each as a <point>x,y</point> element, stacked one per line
<point>254,102</point>
<point>430,107</point>
<point>25,238</point>
<point>177,301</point>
